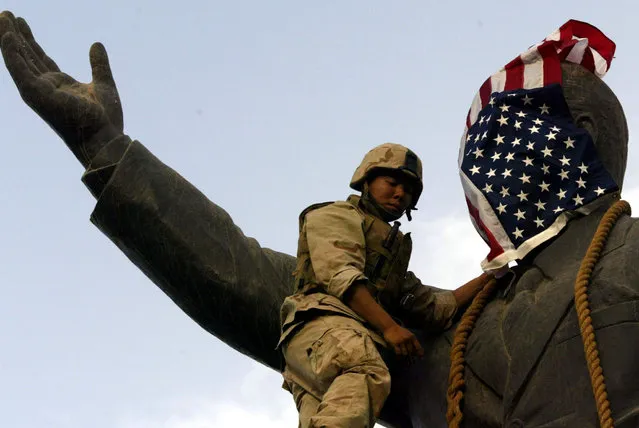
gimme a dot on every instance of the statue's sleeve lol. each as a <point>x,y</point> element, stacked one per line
<point>190,248</point>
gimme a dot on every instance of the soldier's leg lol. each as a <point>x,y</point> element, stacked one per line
<point>357,394</point>
<point>305,402</point>
<point>298,377</point>
<point>333,358</point>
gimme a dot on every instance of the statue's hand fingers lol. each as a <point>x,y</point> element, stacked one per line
<point>17,65</point>
<point>31,87</point>
<point>104,85</point>
<point>46,63</point>
<point>7,23</point>
<point>100,68</point>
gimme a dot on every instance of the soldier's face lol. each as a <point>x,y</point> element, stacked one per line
<point>393,193</point>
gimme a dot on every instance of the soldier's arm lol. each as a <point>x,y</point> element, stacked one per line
<point>337,249</point>
<point>430,308</point>
<point>400,339</point>
<point>467,292</point>
<point>424,307</point>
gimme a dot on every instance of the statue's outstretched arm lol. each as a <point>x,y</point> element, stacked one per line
<point>187,245</point>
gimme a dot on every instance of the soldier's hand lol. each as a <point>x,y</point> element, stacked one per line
<point>403,341</point>
<point>85,116</point>
<point>467,292</point>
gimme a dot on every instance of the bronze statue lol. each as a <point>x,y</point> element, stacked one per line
<point>525,358</point>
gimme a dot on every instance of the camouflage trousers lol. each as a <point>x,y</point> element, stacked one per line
<point>336,374</point>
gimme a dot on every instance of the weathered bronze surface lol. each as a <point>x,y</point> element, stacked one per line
<point>525,364</point>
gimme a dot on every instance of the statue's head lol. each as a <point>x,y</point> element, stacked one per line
<point>545,141</point>
<point>595,108</point>
<point>390,175</point>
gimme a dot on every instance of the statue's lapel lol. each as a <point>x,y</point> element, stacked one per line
<point>541,298</point>
<point>530,323</point>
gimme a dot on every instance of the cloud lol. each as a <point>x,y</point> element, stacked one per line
<point>260,403</point>
<point>202,413</point>
<point>632,196</point>
<point>447,251</point>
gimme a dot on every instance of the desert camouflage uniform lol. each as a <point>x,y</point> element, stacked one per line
<point>334,369</point>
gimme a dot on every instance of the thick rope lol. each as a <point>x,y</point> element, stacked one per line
<point>456,382</point>
<point>583,310</point>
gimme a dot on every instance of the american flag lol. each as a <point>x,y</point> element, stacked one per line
<point>524,164</point>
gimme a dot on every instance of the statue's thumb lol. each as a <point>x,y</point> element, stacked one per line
<point>100,68</point>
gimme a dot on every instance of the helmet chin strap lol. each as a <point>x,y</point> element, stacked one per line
<point>381,211</point>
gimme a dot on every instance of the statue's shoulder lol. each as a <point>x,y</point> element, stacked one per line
<point>621,253</point>
<point>628,229</point>
<point>624,237</point>
<point>631,227</point>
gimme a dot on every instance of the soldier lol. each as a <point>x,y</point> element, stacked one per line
<point>353,294</point>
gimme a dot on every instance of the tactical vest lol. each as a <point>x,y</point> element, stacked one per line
<point>388,252</point>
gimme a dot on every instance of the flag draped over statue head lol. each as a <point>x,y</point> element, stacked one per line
<point>523,162</point>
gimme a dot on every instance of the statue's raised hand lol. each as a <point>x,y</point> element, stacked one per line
<point>85,116</point>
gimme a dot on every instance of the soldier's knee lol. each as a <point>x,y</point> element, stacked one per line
<point>370,363</point>
<point>379,381</point>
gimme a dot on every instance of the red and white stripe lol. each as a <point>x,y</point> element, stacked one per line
<point>575,41</point>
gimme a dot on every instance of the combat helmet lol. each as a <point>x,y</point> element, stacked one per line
<point>390,156</point>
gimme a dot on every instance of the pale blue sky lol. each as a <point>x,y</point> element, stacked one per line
<point>266,107</point>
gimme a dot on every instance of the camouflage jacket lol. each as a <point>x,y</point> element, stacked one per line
<point>342,243</point>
